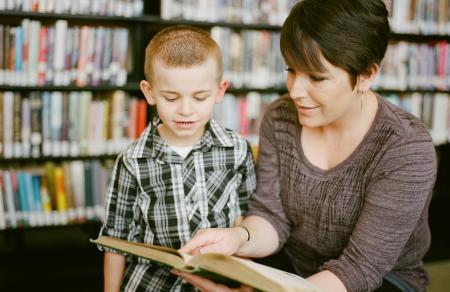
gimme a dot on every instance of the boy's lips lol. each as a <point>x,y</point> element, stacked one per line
<point>184,124</point>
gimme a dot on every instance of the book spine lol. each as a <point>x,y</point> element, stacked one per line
<point>10,200</point>
<point>61,199</point>
<point>36,125</point>
<point>56,123</point>
<point>141,116</point>
<point>82,57</point>
<point>17,125</point>
<point>65,150</point>
<point>26,127</point>
<point>8,122</point>
<point>34,50</point>
<point>1,124</point>
<point>60,51</point>
<point>79,194</point>
<point>74,125</point>
<point>3,212</point>
<point>2,53</point>
<point>38,206</point>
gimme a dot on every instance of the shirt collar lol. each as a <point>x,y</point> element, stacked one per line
<point>150,144</point>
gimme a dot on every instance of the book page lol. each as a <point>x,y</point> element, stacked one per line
<point>164,255</point>
<point>253,274</point>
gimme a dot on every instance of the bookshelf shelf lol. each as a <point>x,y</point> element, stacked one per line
<point>39,160</point>
<point>409,90</point>
<point>236,25</point>
<point>91,19</point>
<point>134,86</point>
<point>146,19</point>
<point>87,224</point>
<point>419,38</point>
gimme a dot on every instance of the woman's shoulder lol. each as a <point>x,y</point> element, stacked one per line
<point>406,126</point>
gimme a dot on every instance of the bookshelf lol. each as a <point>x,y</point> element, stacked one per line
<point>247,100</point>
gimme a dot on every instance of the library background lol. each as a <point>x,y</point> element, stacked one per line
<point>70,100</point>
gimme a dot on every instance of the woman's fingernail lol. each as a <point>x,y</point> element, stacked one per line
<point>175,272</point>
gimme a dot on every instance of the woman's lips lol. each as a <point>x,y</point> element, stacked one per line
<point>302,109</point>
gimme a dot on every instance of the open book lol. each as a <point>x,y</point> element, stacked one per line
<point>218,267</point>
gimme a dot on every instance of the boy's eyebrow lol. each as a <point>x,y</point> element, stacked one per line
<point>168,91</point>
<point>202,91</point>
<point>175,92</point>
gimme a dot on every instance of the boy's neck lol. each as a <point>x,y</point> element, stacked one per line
<point>175,141</point>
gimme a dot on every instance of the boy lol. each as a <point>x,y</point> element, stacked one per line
<point>185,172</point>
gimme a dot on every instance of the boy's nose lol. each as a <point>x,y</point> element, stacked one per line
<point>185,107</point>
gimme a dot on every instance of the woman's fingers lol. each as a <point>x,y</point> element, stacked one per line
<point>206,285</point>
<point>203,284</point>
<point>200,239</point>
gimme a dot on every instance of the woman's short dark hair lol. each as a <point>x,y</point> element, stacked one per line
<point>350,34</point>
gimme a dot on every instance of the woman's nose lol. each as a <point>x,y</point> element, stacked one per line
<point>298,86</point>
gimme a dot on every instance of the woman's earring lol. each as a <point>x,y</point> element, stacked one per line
<point>362,98</point>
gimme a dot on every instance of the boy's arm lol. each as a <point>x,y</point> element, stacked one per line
<point>114,268</point>
<point>120,214</point>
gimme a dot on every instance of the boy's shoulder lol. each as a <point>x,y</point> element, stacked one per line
<point>142,146</point>
<point>225,137</point>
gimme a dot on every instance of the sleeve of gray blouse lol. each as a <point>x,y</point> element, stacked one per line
<point>248,184</point>
<point>397,196</point>
<point>266,202</point>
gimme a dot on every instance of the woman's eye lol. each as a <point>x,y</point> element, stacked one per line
<point>289,69</point>
<point>316,78</point>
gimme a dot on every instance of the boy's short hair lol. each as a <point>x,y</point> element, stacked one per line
<point>350,34</point>
<point>181,46</point>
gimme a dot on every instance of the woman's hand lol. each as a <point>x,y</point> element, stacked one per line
<point>206,285</point>
<point>216,240</point>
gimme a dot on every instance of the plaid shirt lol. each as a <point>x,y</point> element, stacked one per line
<point>157,197</point>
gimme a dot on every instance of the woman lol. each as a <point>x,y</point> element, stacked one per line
<point>344,177</point>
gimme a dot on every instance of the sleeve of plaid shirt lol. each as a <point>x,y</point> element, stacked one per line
<point>248,184</point>
<point>121,209</point>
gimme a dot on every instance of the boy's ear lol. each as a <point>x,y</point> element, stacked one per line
<point>365,81</point>
<point>223,85</point>
<point>146,89</point>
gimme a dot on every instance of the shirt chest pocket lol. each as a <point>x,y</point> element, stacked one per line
<point>221,188</point>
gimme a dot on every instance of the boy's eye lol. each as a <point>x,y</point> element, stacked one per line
<point>200,97</point>
<point>170,98</point>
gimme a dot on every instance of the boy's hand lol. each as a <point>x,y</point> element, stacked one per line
<point>206,285</point>
<point>216,240</point>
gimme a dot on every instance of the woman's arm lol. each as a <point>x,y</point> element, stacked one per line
<point>266,220</point>
<point>263,239</point>
<point>327,281</point>
<point>114,268</point>
<point>395,206</point>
